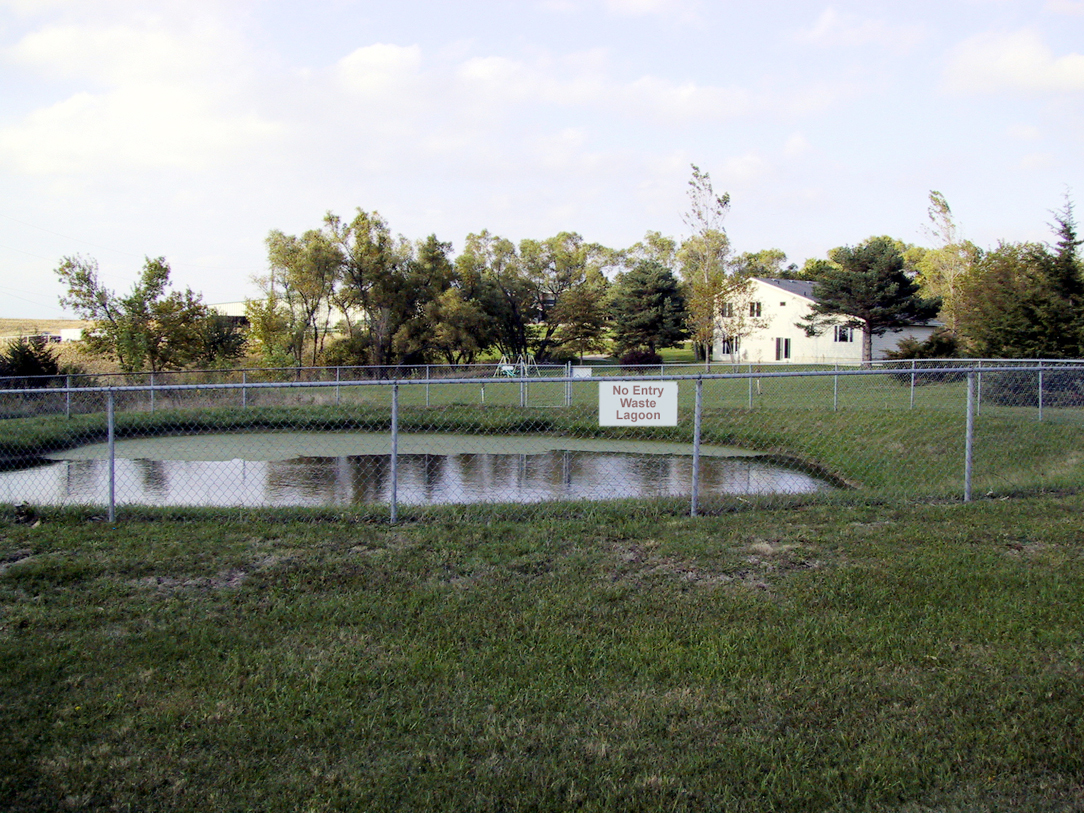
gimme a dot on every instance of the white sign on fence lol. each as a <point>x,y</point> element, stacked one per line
<point>637,403</point>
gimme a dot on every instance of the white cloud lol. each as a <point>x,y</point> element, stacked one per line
<point>744,168</point>
<point>135,128</point>
<point>1018,61</point>
<point>796,146</point>
<point>563,149</point>
<point>120,54</point>
<point>1065,6</point>
<point>578,81</point>
<point>1025,132</point>
<point>149,98</point>
<point>639,7</point>
<point>381,70</point>
<point>834,29</point>
<point>1037,161</point>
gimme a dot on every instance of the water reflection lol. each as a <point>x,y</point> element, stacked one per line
<point>424,479</point>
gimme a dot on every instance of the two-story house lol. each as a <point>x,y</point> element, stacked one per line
<point>761,326</point>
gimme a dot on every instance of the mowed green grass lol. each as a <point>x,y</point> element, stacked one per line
<point>908,658</point>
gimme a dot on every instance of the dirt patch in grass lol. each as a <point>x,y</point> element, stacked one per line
<point>755,566</point>
<point>9,559</point>
<point>226,579</point>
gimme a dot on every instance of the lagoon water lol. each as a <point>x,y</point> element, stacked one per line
<point>342,469</point>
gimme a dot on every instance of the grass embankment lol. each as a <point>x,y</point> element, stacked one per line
<point>904,659</point>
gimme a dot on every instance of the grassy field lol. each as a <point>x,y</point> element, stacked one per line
<point>826,658</point>
<point>30,327</point>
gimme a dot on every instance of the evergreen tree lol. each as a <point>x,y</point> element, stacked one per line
<point>28,359</point>
<point>868,291</point>
<point>648,308</point>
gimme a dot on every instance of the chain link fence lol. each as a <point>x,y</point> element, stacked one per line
<point>400,443</point>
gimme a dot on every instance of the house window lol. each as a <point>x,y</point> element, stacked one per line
<point>844,334</point>
<point>730,345</point>
<point>782,304</point>
<point>726,310</point>
<point>754,309</point>
<point>782,349</point>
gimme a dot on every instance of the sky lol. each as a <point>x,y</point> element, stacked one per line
<point>189,129</point>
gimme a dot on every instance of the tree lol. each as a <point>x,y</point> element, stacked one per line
<point>870,292</point>
<point>273,329</point>
<point>655,247</point>
<point>581,314</point>
<point>648,308</point>
<point>375,282</point>
<point>768,263</point>
<point>428,275</point>
<point>30,359</point>
<point>221,341</point>
<point>812,269</point>
<point>703,258</point>
<point>554,267</point>
<point>461,328</point>
<point>1065,274</point>
<point>505,294</point>
<point>1026,300</point>
<point>147,328</point>
<point>941,270</point>
<point>307,269</point>
<point>999,300</point>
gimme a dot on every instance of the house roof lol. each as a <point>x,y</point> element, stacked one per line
<point>804,289</point>
<point>799,287</point>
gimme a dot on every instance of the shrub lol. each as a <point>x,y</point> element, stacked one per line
<point>1061,388</point>
<point>561,355</point>
<point>941,344</point>
<point>638,358</point>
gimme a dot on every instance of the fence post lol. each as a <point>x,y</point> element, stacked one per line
<point>394,453</point>
<point>68,397</point>
<point>244,389</point>
<point>152,393</point>
<point>568,384</point>
<point>969,440</point>
<point>835,390</point>
<point>1040,392</point>
<point>912,383</point>
<point>523,391</point>
<point>750,386</point>
<point>110,418</point>
<point>696,445</point>
<point>337,378</point>
<point>427,385</point>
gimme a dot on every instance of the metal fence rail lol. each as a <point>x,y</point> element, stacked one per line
<point>498,369</point>
<point>408,446</point>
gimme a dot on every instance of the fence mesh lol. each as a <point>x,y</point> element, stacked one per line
<point>407,443</point>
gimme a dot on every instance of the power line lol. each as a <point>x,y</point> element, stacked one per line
<point>65,236</point>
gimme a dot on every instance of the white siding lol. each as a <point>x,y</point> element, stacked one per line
<point>781,310</point>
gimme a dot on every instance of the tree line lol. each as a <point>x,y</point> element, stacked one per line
<point>351,292</point>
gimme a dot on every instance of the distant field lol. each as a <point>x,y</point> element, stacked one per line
<point>27,327</point>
